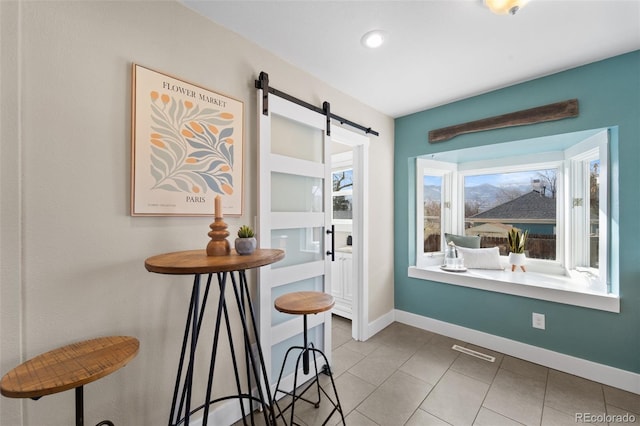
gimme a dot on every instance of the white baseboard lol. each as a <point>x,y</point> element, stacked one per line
<point>601,373</point>
<point>379,324</point>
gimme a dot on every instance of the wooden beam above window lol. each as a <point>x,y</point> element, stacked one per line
<point>550,112</point>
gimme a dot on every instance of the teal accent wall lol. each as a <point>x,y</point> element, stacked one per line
<point>609,96</point>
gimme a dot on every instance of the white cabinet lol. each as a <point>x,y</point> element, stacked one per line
<point>342,283</point>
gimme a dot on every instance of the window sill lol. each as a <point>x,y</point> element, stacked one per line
<point>535,285</point>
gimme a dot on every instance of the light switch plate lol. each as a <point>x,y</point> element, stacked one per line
<point>537,321</point>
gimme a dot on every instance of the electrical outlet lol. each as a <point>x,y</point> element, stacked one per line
<point>537,321</point>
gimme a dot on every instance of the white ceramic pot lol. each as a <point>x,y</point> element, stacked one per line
<point>245,245</point>
<point>517,259</point>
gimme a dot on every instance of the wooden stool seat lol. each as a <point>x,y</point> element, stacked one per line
<point>304,302</point>
<point>70,367</point>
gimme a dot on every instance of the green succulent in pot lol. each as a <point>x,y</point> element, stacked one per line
<point>245,232</point>
<point>517,240</point>
<point>246,242</point>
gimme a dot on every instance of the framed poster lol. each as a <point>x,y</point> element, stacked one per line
<point>187,147</point>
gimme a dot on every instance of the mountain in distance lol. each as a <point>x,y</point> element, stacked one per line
<point>486,195</point>
<point>432,192</point>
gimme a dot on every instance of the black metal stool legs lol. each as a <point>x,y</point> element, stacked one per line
<point>80,409</point>
<point>305,351</point>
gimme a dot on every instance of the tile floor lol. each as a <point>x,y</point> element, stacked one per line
<point>407,376</point>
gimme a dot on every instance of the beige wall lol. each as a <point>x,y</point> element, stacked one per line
<point>71,256</point>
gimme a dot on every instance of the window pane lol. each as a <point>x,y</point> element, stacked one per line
<point>432,196</point>
<point>594,213</point>
<point>342,180</point>
<point>297,140</point>
<point>343,207</point>
<point>342,187</point>
<point>301,245</point>
<point>309,192</point>
<point>496,203</point>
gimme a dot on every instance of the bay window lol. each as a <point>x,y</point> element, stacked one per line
<point>557,191</point>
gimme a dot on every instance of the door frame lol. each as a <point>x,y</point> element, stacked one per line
<point>360,146</point>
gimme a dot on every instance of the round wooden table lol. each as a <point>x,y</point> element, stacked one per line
<point>197,263</point>
<point>70,367</point>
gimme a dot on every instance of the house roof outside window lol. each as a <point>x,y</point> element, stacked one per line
<point>532,206</point>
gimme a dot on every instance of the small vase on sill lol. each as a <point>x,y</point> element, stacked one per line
<point>517,259</point>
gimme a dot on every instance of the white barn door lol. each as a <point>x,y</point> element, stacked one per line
<point>294,215</point>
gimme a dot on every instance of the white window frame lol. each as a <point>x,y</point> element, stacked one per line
<point>578,162</point>
<point>564,280</point>
<point>448,208</point>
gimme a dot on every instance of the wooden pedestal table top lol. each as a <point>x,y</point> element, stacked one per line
<point>197,261</point>
<point>69,367</point>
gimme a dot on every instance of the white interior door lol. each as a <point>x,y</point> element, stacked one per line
<point>294,181</point>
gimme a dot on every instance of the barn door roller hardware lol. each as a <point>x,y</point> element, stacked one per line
<point>263,83</point>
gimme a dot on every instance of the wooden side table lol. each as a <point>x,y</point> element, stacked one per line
<point>196,262</point>
<point>70,367</point>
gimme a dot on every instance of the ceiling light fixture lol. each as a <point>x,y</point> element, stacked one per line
<point>373,39</point>
<point>503,7</point>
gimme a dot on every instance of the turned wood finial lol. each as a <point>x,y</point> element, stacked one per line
<point>218,246</point>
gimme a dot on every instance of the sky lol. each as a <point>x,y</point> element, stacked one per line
<point>498,180</point>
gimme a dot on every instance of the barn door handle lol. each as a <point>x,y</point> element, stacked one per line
<point>332,253</point>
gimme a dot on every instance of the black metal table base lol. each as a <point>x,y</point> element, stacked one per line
<point>181,409</point>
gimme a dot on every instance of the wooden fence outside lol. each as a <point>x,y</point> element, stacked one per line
<point>538,246</point>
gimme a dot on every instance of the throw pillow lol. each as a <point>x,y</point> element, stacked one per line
<point>481,258</point>
<point>470,241</point>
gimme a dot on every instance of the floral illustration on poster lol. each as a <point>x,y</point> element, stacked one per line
<point>187,145</point>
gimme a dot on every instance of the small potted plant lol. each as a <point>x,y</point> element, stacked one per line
<point>246,241</point>
<point>517,241</point>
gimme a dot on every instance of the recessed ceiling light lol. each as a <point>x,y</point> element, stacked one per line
<point>373,39</point>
